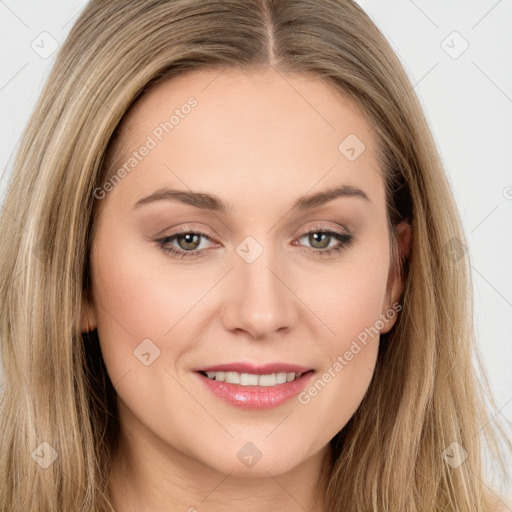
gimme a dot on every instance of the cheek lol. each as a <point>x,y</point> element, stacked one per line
<point>354,302</point>
<point>350,355</point>
<point>140,289</point>
<point>140,296</point>
<point>351,308</point>
<point>347,297</point>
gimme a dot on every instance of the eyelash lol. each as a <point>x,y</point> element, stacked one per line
<point>345,240</point>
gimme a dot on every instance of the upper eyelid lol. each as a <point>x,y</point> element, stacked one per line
<point>316,227</point>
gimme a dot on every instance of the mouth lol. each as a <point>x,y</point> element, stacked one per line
<point>255,387</point>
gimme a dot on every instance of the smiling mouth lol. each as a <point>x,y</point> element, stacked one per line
<point>256,387</point>
<point>253,379</point>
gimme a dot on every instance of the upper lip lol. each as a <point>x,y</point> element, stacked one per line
<point>260,369</point>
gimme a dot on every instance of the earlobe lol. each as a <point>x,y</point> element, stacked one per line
<point>396,279</point>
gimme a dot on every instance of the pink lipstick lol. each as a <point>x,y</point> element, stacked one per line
<point>252,386</point>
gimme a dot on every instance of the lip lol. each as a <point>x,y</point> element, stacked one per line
<point>261,369</point>
<point>256,397</point>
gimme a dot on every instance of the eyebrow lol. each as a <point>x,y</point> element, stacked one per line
<point>214,203</point>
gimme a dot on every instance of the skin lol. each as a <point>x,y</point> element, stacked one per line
<point>259,140</point>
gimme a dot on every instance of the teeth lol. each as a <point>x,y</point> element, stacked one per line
<point>232,377</point>
<point>248,379</point>
<point>281,378</point>
<point>268,380</point>
<point>251,379</point>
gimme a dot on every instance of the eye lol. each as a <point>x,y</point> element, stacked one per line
<point>321,238</point>
<point>188,242</point>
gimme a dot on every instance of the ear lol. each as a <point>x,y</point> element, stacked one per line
<point>88,317</point>
<point>396,280</point>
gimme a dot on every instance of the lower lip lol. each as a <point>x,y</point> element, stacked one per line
<point>257,397</point>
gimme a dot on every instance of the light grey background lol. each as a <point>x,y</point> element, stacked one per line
<point>467,97</point>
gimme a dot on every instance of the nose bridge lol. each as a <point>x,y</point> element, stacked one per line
<point>261,302</point>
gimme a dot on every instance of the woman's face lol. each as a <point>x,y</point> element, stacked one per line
<point>208,256</point>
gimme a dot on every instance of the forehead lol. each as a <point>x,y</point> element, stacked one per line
<point>234,99</point>
<point>258,130</point>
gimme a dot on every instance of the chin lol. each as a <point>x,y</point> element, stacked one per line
<point>248,459</point>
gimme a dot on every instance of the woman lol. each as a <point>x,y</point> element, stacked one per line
<point>226,277</point>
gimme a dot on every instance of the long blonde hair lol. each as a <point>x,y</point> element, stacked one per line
<point>425,394</point>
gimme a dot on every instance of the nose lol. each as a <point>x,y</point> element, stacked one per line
<point>262,304</point>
